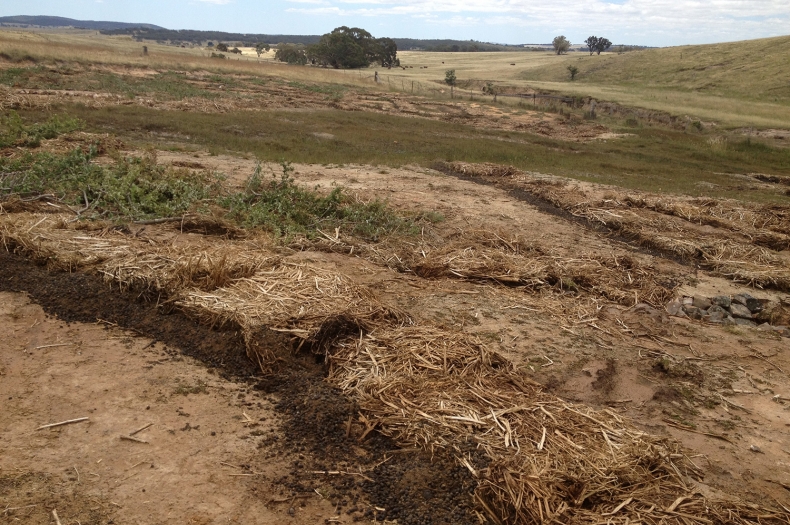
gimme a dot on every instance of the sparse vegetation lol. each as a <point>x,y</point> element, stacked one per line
<point>14,132</point>
<point>285,208</point>
<point>137,188</point>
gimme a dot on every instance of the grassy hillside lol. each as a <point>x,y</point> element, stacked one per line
<point>755,70</point>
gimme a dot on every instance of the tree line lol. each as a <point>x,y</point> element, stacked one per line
<point>594,43</point>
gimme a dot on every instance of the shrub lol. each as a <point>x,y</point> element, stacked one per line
<point>14,132</point>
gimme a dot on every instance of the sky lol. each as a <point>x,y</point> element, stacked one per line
<point>636,22</point>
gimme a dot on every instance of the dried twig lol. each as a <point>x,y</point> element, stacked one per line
<point>68,422</point>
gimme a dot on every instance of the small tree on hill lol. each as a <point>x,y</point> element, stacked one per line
<point>490,89</point>
<point>222,47</point>
<point>291,54</point>
<point>602,45</point>
<point>573,70</point>
<point>561,44</point>
<point>450,79</point>
<point>592,44</point>
<point>260,47</point>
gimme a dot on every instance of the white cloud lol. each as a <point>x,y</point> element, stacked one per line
<point>689,20</point>
<point>216,2</point>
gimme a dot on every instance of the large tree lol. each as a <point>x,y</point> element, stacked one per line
<point>592,43</point>
<point>352,47</point>
<point>602,45</point>
<point>561,44</point>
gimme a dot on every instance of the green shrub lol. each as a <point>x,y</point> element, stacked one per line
<point>132,188</point>
<point>284,208</point>
<point>14,132</point>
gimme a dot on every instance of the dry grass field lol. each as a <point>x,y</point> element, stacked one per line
<point>275,294</point>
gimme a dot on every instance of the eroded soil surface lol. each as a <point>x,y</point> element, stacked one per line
<point>205,92</point>
<point>721,391</point>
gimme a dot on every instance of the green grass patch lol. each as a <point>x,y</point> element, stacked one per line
<point>15,132</point>
<point>286,209</point>
<point>651,159</point>
<point>131,188</point>
<point>137,188</point>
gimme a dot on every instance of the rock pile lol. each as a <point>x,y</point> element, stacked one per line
<point>741,309</point>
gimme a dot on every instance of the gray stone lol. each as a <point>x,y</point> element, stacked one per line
<point>744,322</point>
<point>739,310</point>
<point>675,307</point>
<point>717,309</point>
<point>741,298</point>
<point>687,300</point>
<point>765,327</point>
<point>703,303</point>
<point>721,300</point>
<point>717,317</point>
<point>728,321</point>
<point>754,305</point>
<point>692,311</point>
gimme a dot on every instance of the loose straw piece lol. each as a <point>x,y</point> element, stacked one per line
<point>132,438</point>
<point>69,422</point>
<point>140,429</point>
<point>53,346</point>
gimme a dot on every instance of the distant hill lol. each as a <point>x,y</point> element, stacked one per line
<point>58,21</point>
<point>202,37</point>
<point>749,69</point>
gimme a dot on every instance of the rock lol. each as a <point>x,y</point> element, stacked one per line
<point>718,315</point>
<point>728,321</point>
<point>703,303</point>
<point>675,307</point>
<point>739,310</point>
<point>755,448</point>
<point>687,300</point>
<point>692,311</point>
<point>741,298</point>
<point>744,322</point>
<point>765,327</point>
<point>754,305</point>
<point>721,300</point>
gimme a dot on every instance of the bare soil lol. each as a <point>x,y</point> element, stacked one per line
<point>720,391</point>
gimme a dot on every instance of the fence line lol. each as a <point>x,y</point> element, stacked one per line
<point>416,87</point>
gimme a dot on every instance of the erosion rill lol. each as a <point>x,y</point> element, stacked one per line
<point>535,457</point>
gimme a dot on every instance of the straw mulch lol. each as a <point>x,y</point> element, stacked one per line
<point>500,258</point>
<point>238,282</point>
<point>745,247</point>
<point>537,459</point>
